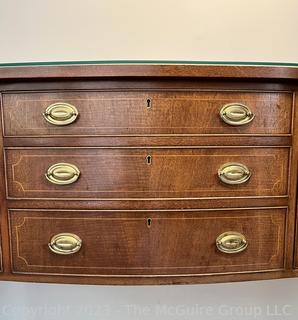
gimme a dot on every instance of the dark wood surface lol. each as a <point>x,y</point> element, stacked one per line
<point>1,266</point>
<point>122,243</point>
<point>180,190</point>
<point>152,71</point>
<point>125,173</point>
<point>146,113</point>
<point>145,142</point>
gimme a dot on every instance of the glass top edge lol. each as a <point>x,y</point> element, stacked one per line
<point>149,62</point>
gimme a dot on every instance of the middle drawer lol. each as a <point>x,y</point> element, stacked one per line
<point>146,173</point>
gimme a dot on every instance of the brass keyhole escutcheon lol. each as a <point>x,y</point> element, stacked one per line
<point>149,160</point>
<point>149,103</point>
<point>149,222</point>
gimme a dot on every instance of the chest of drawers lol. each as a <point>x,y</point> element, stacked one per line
<point>148,174</point>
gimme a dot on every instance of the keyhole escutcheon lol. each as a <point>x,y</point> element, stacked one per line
<point>149,222</point>
<point>149,160</point>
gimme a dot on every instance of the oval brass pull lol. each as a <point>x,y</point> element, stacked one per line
<point>234,173</point>
<point>61,114</point>
<point>65,243</point>
<point>63,173</point>
<point>231,242</point>
<point>236,114</point>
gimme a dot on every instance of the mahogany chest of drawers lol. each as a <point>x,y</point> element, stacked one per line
<point>148,174</point>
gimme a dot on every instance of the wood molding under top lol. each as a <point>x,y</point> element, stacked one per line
<point>148,70</point>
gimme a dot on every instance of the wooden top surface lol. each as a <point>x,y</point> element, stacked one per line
<point>152,69</point>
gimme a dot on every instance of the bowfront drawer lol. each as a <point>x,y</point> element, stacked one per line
<point>146,173</point>
<point>147,243</point>
<point>122,113</point>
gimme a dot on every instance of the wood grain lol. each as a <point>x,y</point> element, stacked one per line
<point>1,265</point>
<point>121,243</point>
<point>179,191</point>
<point>139,113</point>
<point>169,141</point>
<point>125,173</point>
<point>151,280</point>
<point>149,71</point>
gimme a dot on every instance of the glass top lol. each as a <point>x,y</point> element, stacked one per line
<point>158,62</point>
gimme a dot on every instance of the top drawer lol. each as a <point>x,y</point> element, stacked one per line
<point>146,113</point>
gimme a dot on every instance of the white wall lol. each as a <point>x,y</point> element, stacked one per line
<point>231,30</point>
<point>247,300</point>
<point>243,30</point>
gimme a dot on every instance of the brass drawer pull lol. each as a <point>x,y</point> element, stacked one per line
<point>63,173</point>
<point>234,173</point>
<point>236,114</point>
<point>65,243</point>
<point>61,114</point>
<point>231,242</point>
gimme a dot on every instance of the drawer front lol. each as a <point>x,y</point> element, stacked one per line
<point>122,113</point>
<point>144,173</point>
<point>125,243</point>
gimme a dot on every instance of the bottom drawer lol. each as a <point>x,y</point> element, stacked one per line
<point>147,243</point>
